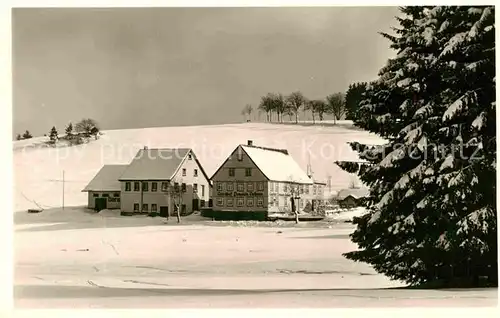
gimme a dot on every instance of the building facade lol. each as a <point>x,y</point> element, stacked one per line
<point>104,189</point>
<point>259,179</point>
<point>162,181</point>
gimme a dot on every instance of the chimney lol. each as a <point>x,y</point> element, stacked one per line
<point>250,142</point>
<point>145,147</point>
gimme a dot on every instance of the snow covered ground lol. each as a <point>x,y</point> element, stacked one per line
<point>74,258</point>
<point>77,259</point>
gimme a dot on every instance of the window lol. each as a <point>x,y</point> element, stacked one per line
<point>183,172</point>
<point>96,195</point>
<point>145,207</point>
<point>183,187</point>
<point>136,207</point>
<point>145,187</point>
<point>190,156</point>
<point>314,189</point>
<point>220,201</point>
<point>232,172</point>
<point>202,203</point>
<point>195,187</point>
<point>230,186</point>
<point>154,208</point>
<point>240,202</point>
<point>116,194</point>
<point>195,172</point>
<point>202,190</point>
<point>240,187</point>
<point>250,202</point>
<point>250,186</point>
<point>307,189</point>
<point>128,186</point>
<point>229,202</point>
<point>164,186</point>
<point>260,202</point>
<point>137,186</point>
<point>154,186</point>
<point>248,172</point>
<point>176,187</point>
<point>219,186</point>
<point>260,186</point>
<point>105,195</point>
<point>277,187</point>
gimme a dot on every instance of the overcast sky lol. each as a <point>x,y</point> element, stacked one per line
<point>131,68</point>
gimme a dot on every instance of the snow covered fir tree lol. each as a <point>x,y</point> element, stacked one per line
<point>432,218</point>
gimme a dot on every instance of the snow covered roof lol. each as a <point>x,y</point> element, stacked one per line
<point>354,192</point>
<point>276,164</point>
<point>106,179</point>
<point>155,164</point>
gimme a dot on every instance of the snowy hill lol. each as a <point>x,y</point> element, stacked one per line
<point>38,171</point>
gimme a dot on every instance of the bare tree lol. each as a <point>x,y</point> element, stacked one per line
<point>278,105</point>
<point>310,105</point>
<point>247,111</point>
<point>292,193</point>
<point>336,106</point>
<point>296,101</point>
<point>87,127</point>
<point>177,194</point>
<point>266,105</point>
<point>320,107</point>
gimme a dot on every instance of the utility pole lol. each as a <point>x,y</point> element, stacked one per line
<point>63,191</point>
<point>329,184</point>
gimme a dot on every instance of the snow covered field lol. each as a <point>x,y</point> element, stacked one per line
<point>38,171</point>
<point>73,258</point>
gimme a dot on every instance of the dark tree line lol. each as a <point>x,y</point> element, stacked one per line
<point>339,105</point>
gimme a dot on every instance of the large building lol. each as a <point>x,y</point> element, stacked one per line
<point>164,180</point>
<point>158,181</point>
<point>262,179</point>
<point>104,190</point>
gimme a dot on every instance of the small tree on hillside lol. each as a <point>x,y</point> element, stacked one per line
<point>309,105</point>
<point>279,105</point>
<point>69,130</point>
<point>18,137</point>
<point>247,111</point>
<point>319,107</point>
<point>295,102</point>
<point>266,105</point>
<point>27,135</point>
<point>87,127</point>
<point>53,135</point>
<point>336,106</point>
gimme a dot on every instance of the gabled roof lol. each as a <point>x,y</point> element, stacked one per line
<point>158,164</point>
<point>276,164</point>
<point>106,179</point>
<point>155,164</point>
<point>356,193</point>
